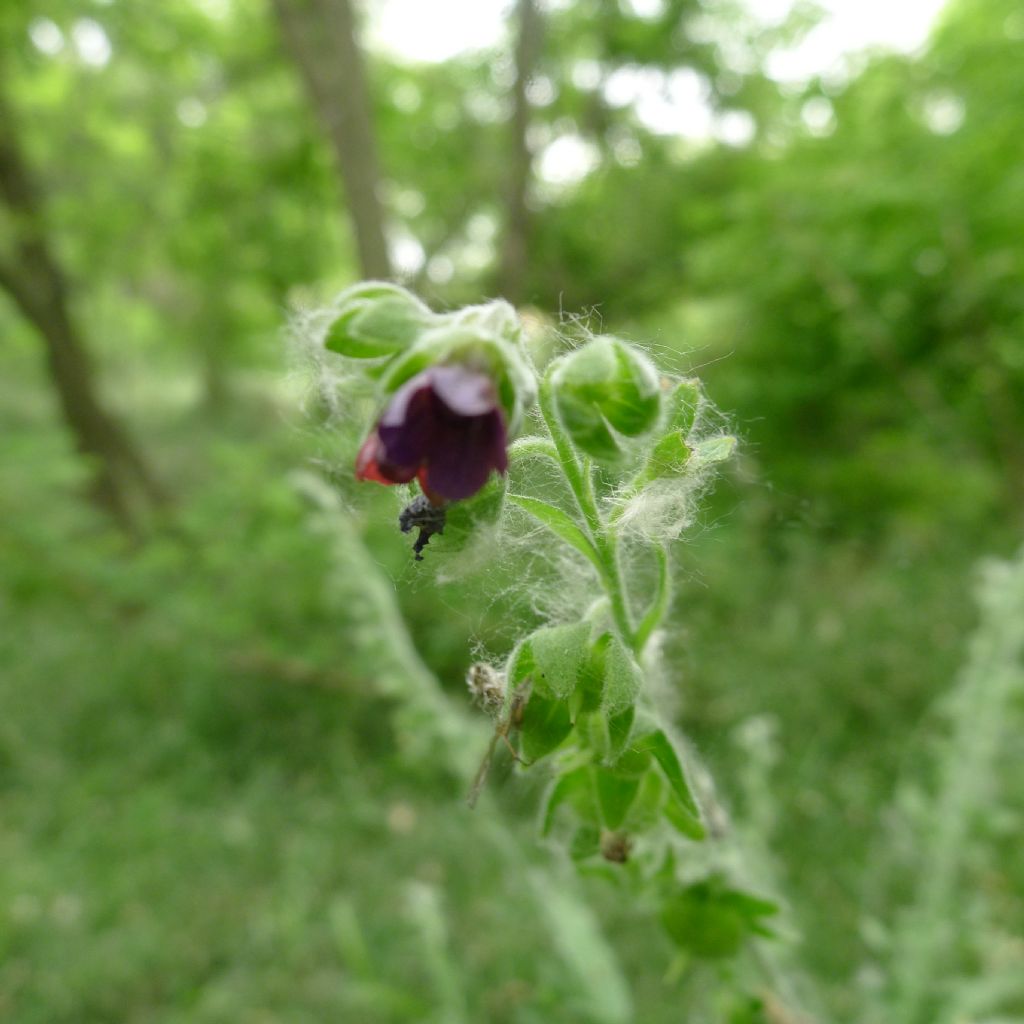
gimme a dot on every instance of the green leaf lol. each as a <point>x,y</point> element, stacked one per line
<point>753,908</point>
<point>545,724</point>
<point>659,603</point>
<point>622,678</point>
<point>532,447</point>
<point>575,788</point>
<point>560,524</point>
<point>681,818</point>
<point>646,808</point>
<point>520,664</point>
<point>633,762</point>
<point>559,653</point>
<point>615,794</point>
<point>665,754</point>
<point>620,728</point>
<point>712,921</point>
<point>683,810</point>
<point>589,694</point>
<point>701,926</point>
<point>670,456</point>
<point>585,843</point>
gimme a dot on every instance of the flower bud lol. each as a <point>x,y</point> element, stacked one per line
<point>376,319</point>
<point>606,385</point>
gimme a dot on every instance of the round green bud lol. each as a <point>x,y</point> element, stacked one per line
<point>376,319</point>
<point>606,386</point>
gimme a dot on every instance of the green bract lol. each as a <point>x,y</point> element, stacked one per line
<point>676,453</point>
<point>606,387</point>
<point>711,920</point>
<point>376,319</point>
<point>682,405</point>
<point>669,457</point>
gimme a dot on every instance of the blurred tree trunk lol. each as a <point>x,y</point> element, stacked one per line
<point>320,36</point>
<point>123,483</point>
<point>515,247</point>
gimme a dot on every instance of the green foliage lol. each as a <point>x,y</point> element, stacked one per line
<point>545,723</point>
<point>567,691</point>
<point>559,654</point>
<point>622,679</point>
<point>710,920</point>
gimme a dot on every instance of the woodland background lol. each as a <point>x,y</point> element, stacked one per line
<point>222,793</point>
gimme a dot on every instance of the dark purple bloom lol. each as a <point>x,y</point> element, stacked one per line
<point>445,427</point>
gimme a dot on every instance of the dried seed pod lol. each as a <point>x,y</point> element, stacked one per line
<point>615,846</point>
<point>487,686</point>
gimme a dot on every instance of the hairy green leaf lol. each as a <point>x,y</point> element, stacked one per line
<point>714,449</point>
<point>682,809</point>
<point>575,788</point>
<point>559,654</point>
<point>560,524</point>
<point>544,725</point>
<point>615,794</point>
<point>622,677</point>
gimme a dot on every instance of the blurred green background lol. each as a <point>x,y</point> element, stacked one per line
<point>233,711</point>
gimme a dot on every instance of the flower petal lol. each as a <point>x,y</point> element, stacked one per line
<point>370,464</point>
<point>432,496</point>
<point>463,452</point>
<point>464,391</point>
<point>406,424</point>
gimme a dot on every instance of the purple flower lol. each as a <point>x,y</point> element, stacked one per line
<point>445,427</point>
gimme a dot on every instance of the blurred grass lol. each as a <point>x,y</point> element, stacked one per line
<point>210,814</point>
<point>209,811</point>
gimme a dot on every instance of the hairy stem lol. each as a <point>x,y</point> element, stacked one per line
<point>580,479</point>
<point>659,604</point>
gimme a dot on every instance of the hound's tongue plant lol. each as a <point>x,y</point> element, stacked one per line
<point>454,392</point>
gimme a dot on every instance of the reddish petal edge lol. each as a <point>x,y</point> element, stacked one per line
<point>433,497</point>
<point>366,462</point>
